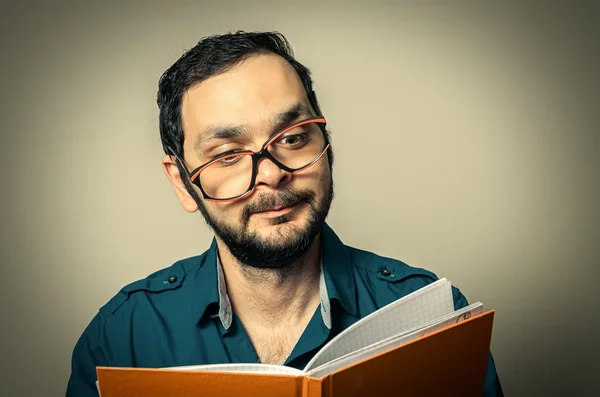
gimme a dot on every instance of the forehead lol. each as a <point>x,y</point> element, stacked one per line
<point>248,94</point>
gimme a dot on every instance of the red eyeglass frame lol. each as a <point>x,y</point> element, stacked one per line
<point>194,175</point>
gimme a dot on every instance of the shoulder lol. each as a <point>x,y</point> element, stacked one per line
<point>162,281</point>
<point>396,274</point>
<point>389,269</point>
<point>107,337</point>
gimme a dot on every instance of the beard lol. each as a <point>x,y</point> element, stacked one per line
<point>285,252</point>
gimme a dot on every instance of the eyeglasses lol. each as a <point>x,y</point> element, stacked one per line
<point>232,175</point>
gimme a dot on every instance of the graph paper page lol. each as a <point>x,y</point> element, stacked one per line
<point>251,368</point>
<point>380,347</point>
<point>411,311</point>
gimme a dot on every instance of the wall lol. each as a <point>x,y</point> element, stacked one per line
<point>466,140</point>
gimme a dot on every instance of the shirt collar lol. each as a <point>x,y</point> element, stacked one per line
<point>206,288</point>
<point>335,282</point>
<point>338,270</point>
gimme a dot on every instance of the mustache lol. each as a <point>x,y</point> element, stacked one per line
<point>283,198</point>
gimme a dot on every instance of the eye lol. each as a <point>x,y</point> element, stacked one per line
<point>224,155</point>
<point>228,161</point>
<point>223,150</point>
<point>293,141</point>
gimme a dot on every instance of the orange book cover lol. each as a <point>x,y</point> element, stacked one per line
<point>451,361</point>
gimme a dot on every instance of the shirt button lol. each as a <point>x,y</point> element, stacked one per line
<point>385,272</point>
<point>172,279</point>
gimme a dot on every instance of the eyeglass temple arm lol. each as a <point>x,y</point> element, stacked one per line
<point>178,158</point>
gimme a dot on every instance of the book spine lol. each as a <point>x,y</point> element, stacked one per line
<point>326,386</point>
<point>312,387</point>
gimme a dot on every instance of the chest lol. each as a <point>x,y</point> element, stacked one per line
<point>273,345</point>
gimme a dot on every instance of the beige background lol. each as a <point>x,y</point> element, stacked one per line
<point>466,140</point>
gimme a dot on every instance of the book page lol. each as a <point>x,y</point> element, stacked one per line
<point>413,310</point>
<point>241,367</point>
<point>395,341</point>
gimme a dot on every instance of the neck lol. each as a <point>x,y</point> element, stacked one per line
<point>270,296</point>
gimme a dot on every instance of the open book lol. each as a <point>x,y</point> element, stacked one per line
<point>416,345</point>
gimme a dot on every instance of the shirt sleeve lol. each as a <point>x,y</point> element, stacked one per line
<point>492,387</point>
<point>91,350</point>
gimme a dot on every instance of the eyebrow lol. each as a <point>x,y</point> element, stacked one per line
<point>278,122</point>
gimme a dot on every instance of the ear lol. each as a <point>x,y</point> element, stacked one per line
<point>170,167</point>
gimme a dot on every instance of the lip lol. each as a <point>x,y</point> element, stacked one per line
<point>277,212</point>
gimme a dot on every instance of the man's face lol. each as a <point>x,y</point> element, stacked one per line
<point>277,223</point>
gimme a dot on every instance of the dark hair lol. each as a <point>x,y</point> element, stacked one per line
<point>211,56</point>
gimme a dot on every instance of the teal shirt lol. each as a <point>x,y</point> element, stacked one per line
<point>181,315</point>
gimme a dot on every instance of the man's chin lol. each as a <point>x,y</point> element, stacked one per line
<point>272,229</point>
<point>278,246</point>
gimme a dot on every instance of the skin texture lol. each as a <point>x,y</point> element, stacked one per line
<point>271,260</point>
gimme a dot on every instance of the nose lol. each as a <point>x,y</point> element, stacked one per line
<point>268,173</point>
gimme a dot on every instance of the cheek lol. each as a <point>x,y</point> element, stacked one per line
<point>315,176</point>
<point>324,173</point>
<point>228,213</point>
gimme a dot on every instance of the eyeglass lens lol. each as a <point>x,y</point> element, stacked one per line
<point>230,176</point>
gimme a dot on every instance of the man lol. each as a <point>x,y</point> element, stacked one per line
<point>246,144</point>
